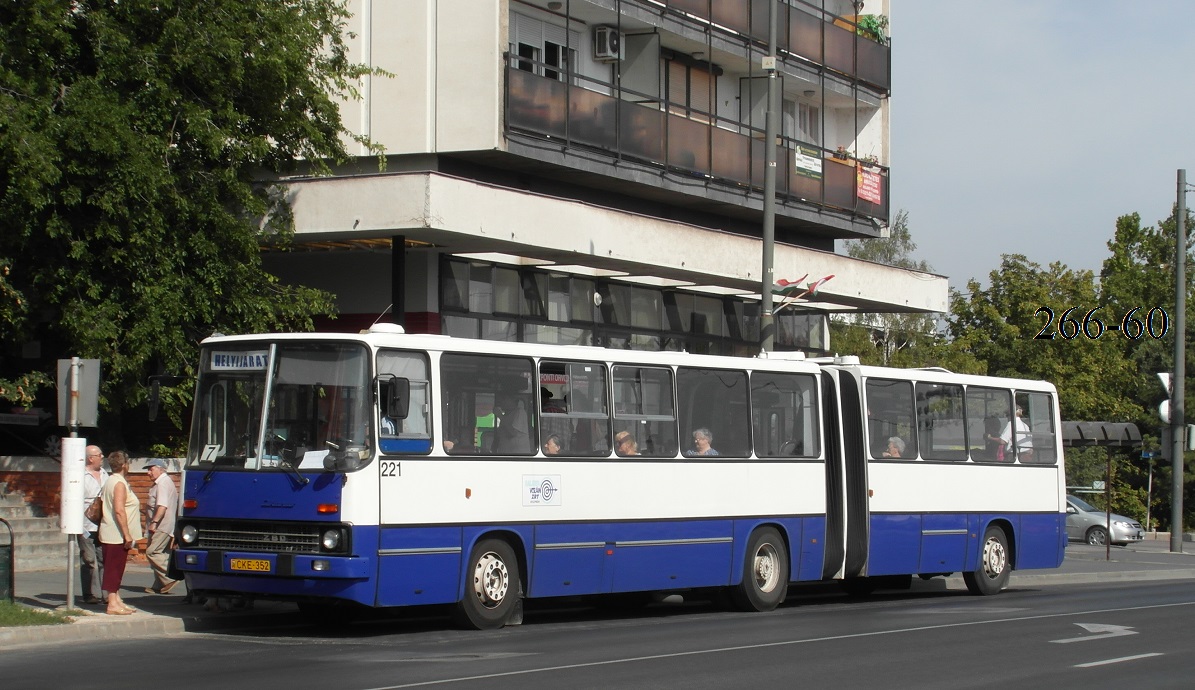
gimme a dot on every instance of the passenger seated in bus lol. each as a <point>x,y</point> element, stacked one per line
<point>896,447</point>
<point>551,445</point>
<point>702,438</point>
<point>625,443</point>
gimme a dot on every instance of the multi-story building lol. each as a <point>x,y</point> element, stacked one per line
<point>592,171</point>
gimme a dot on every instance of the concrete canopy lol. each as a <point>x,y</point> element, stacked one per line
<point>469,217</point>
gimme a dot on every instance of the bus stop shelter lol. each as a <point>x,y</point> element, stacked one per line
<point>1110,435</point>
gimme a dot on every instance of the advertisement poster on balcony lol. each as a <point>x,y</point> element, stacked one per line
<point>869,184</point>
<point>807,162</point>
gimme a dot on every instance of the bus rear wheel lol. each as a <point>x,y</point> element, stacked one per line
<point>492,588</point>
<point>765,573</point>
<point>995,565</point>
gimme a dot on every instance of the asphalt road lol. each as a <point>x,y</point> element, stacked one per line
<point>1107,635</point>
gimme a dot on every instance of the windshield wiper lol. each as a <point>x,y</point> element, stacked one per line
<point>288,464</point>
<point>294,473</point>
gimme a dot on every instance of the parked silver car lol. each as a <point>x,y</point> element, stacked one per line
<point>1085,522</point>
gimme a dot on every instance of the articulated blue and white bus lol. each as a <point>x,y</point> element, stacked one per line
<point>385,469</point>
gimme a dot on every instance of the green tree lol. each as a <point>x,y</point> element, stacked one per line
<point>895,339</point>
<point>23,388</point>
<point>136,149</point>
<point>1001,325</point>
<point>1137,279</point>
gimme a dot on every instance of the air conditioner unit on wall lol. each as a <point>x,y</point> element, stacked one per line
<point>607,44</point>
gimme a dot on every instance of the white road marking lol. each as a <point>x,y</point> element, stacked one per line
<point>1105,662</point>
<point>1101,630</point>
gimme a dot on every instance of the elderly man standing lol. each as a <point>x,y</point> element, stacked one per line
<point>91,558</point>
<point>163,504</point>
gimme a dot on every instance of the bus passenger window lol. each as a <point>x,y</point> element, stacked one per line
<point>784,415</point>
<point>713,412</point>
<point>488,405</point>
<point>410,434</point>
<point>574,407</point>
<point>890,412</point>
<point>643,406</point>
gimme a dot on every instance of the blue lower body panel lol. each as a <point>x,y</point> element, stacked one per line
<point>909,544</point>
<point>428,565</point>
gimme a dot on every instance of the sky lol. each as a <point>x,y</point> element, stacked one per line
<point>1030,126</point>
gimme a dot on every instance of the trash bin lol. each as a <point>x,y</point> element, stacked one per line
<point>7,563</point>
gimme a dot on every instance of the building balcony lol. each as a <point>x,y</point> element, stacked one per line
<point>803,30</point>
<point>722,153</point>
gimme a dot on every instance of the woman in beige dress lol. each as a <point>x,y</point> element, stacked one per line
<point>120,529</point>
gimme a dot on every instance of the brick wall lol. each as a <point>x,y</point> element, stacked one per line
<point>43,490</point>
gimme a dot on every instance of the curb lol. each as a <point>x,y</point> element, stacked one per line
<point>91,627</point>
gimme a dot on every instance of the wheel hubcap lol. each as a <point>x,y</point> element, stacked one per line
<point>995,558</point>
<point>767,574</point>
<point>490,580</point>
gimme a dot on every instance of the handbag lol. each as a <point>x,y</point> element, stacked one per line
<point>95,511</point>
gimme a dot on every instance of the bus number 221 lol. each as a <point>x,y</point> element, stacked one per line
<point>391,468</point>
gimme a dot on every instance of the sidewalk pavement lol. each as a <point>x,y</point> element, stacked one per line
<point>158,614</point>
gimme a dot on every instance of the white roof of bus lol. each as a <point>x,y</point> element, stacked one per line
<point>942,376</point>
<point>443,343</point>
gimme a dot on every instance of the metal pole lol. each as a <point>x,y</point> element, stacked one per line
<point>1108,509</point>
<point>766,325</point>
<point>1149,491</point>
<point>1178,417</point>
<point>73,422</point>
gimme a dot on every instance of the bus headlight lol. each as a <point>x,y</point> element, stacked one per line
<point>189,534</point>
<point>331,540</point>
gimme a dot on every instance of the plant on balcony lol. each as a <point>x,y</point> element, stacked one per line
<point>873,26</point>
<point>842,154</point>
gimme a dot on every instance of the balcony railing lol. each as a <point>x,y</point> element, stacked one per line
<point>803,30</point>
<point>640,128</point>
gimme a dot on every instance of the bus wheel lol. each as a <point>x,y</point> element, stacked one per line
<point>492,587</point>
<point>994,565</point>
<point>765,573</point>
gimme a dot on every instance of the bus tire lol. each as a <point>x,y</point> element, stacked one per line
<point>765,573</point>
<point>492,587</point>
<point>995,564</point>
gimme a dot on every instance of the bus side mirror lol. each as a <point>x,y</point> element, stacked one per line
<point>399,400</point>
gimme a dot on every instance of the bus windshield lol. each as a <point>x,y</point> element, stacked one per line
<point>314,399</point>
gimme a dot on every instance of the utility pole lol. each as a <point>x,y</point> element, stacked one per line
<point>766,321</point>
<point>1178,419</point>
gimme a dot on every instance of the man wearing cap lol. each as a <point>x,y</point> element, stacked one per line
<point>163,503</point>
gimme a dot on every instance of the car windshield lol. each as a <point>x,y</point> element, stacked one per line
<point>282,406</point>
<point>1083,505</point>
